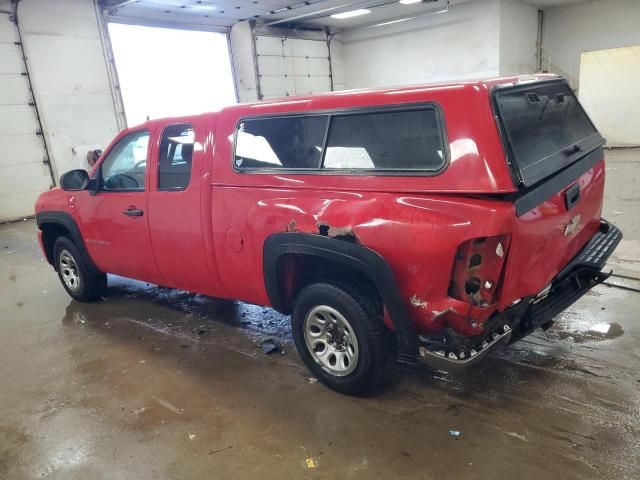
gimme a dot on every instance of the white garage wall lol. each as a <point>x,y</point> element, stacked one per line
<point>572,29</point>
<point>70,77</point>
<point>518,36</point>
<point>461,43</point>
<point>24,173</point>
<point>242,59</point>
<point>609,92</point>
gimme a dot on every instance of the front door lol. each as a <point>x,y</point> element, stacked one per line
<point>114,221</point>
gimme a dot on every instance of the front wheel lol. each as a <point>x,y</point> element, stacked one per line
<point>341,338</point>
<point>77,278</point>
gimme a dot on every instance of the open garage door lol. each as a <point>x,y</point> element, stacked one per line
<point>24,172</point>
<point>166,72</point>
<point>610,95</point>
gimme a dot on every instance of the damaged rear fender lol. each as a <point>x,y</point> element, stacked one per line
<point>356,257</point>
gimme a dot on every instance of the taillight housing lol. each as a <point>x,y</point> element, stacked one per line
<point>477,270</point>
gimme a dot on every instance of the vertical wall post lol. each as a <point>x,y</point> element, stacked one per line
<point>254,53</point>
<point>112,71</point>
<point>539,45</point>
<point>327,32</point>
<point>232,61</point>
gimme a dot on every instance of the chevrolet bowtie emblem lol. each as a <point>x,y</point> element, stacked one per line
<point>570,228</point>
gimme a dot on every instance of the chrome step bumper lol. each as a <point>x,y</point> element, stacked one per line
<point>440,360</point>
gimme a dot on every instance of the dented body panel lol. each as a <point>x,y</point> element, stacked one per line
<point>462,225</point>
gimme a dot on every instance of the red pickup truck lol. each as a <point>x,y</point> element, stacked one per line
<point>435,222</point>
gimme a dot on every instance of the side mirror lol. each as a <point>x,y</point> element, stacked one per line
<point>74,180</point>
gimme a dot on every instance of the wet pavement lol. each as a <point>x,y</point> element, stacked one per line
<point>622,191</point>
<point>153,383</point>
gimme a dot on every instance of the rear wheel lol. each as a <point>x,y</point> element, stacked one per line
<point>342,339</point>
<point>77,278</point>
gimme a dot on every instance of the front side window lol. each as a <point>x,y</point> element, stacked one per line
<point>409,140</point>
<point>280,142</point>
<point>126,164</point>
<point>176,152</point>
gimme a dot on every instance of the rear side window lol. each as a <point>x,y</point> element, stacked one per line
<point>385,141</point>
<point>176,152</point>
<point>546,127</point>
<point>280,142</point>
<point>400,140</point>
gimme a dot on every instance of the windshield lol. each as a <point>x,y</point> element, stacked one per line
<point>546,128</point>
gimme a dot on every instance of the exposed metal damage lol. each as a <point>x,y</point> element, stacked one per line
<point>418,302</point>
<point>340,233</point>
<point>327,230</point>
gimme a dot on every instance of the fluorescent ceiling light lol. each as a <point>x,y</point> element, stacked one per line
<point>390,22</point>
<point>409,2</point>
<point>352,13</point>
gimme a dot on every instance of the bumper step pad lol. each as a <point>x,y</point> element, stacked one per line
<point>596,252</point>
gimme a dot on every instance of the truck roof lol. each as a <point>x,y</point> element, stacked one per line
<point>312,100</point>
<point>484,84</point>
<point>476,157</point>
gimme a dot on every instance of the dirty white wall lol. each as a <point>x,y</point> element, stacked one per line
<point>518,36</point>
<point>461,43</point>
<point>241,46</point>
<point>609,92</point>
<point>572,29</point>
<point>70,77</point>
<point>338,67</point>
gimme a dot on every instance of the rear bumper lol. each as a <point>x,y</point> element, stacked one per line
<point>597,250</point>
<point>453,352</point>
<point>574,280</point>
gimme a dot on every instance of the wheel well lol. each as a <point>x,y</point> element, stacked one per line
<point>295,271</point>
<point>50,233</point>
<point>293,259</point>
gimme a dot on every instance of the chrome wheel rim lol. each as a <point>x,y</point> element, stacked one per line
<point>331,340</point>
<point>69,271</point>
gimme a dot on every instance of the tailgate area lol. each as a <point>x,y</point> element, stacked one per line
<point>547,237</point>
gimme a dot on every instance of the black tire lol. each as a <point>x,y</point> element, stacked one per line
<point>91,285</point>
<point>376,344</point>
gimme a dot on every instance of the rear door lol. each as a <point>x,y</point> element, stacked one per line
<point>557,158</point>
<point>176,194</point>
<point>114,222</point>
<point>545,127</point>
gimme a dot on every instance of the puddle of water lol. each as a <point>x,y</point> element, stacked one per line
<point>200,312</point>
<point>607,330</point>
<point>581,332</point>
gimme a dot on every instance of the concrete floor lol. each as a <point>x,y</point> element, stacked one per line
<point>161,384</point>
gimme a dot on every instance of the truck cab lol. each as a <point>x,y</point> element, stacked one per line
<point>437,222</point>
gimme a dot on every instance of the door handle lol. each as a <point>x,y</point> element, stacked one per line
<point>571,150</point>
<point>133,212</point>
<point>572,196</point>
